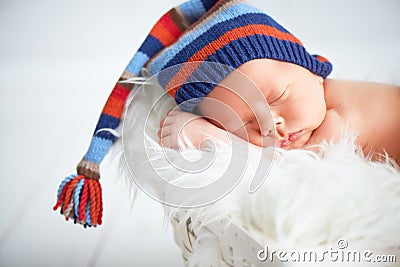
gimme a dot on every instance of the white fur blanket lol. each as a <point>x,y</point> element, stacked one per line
<point>308,200</point>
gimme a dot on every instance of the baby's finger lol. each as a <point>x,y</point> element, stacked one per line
<point>164,131</point>
<point>169,141</point>
<point>163,135</point>
<point>159,133</point>
<point>162,123</point>
<point>166,121</point>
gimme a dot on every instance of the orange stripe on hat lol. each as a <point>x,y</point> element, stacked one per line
<point>116,101</point>
<point>114,107</point>
<point>187,69</point>
<point>162,34</point>
<point>321,58</point>
<point>166,31</point>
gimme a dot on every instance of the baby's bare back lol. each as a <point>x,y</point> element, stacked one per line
<point>370,110</point>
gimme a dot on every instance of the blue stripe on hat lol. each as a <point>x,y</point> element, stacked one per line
<point>137,62</point>
<point>151,46</point>
<point>98,149</point>
<point>208,3</point>
<point>106,122</point>
<point>193,10</point>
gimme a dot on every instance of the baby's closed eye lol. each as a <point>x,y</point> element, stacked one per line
<point>280,98</point>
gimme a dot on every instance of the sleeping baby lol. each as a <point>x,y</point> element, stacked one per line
<point>305,108</point>
<point>231,68</point>
<point>274,92</point>
<point>234,71</point>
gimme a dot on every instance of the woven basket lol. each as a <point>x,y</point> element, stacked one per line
<point>238,245</point>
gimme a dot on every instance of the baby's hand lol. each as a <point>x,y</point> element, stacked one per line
<point>190,129</point>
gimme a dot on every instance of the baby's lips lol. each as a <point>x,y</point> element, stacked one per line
<point>291,138</point>
<point>294,136</point>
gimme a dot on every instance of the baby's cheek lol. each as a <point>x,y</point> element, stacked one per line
<point>313,112</point>
<point>331,129</point>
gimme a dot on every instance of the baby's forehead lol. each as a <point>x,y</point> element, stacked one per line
<point>253,81</point>
<point>228,104</point>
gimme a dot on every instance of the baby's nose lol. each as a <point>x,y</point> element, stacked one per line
<point>266,132</point>
<point>278,120</point>
<point>280,131</point>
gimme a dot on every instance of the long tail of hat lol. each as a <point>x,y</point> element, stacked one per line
<point>79,195</point>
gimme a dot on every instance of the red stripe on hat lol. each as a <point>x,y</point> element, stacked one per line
<point>120,92</point>
<point>187,69</point>
<point>165,30</point>
<point>169,23</point>
<point>116,101</point>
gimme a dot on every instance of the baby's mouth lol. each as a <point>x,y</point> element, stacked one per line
<point>291,138</point>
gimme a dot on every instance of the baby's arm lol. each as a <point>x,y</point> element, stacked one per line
<point>190,129</point>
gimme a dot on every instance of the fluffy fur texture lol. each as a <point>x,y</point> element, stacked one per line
<point>308,201</point>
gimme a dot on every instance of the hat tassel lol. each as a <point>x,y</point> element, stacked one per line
<point>80,198</point>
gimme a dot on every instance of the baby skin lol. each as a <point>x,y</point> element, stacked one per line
<point>268,102</point>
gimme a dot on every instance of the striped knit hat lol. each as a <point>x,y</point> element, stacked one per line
<point>229,32</point>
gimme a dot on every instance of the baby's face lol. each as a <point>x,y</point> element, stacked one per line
<point>284,111</point>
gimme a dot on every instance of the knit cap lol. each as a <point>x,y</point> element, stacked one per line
<point>227,32</point>
<point>231,33</point>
